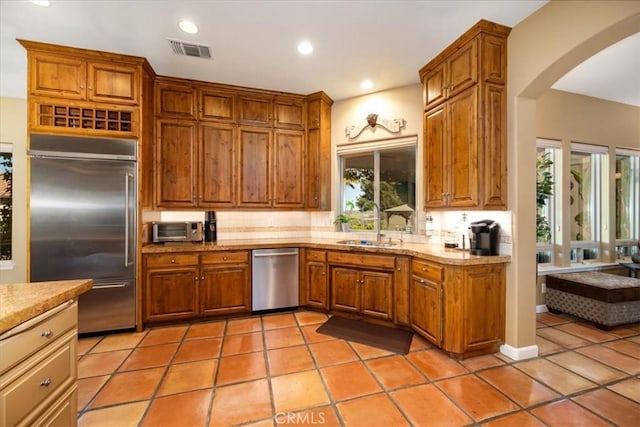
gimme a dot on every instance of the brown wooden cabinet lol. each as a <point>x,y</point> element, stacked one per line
<point>318,153</point>
<point>81,79</point>
<point>188,285</point>
<point>170,289</point>
<point>362,284</point>
<point>270,168</point>
<point>426,300</point>
<point>465,161</point>
<point>225,283</point>
<point>82,91</point>
<point>266,110</point>
<point>314,280</point>
<point>459,308</point>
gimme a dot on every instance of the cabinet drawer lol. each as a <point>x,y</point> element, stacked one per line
<point>363,260</point>
<point>171,260</point>
<point>48,329</point>
<point>225,257</point>
<point>313,255</point>
<point>38,380</point>
<point>427,270</point>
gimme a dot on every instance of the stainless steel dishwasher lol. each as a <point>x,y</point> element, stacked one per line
<point>274,283</point>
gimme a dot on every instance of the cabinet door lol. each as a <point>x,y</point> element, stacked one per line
<point>288,161</point>
<point>494,148</point>
<point>377,294</point>
<point>426,309</point>
<point>109,82</point>
<point>218,106</point>
<point>434,87</point>
<point>484,307</point>
<point>345,289</point>
<point>435,159</point>
<point>170,294</point>
<point>175,100</point>
<point>57,76</point>
<point>255,111</point>
<point>316,283</point>
<point>175,163</point>
<point>254,151</point>
<point>462,69</point>
<point>225,289</point>
<point>288,114</point>
<point>216,162</point>
<point>463,131</point>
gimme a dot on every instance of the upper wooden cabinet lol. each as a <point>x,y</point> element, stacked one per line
<point>318,155</point>
<point>80,91</point>
<point>267,111</point>
<point>183,99</point>
<point>73,78</point>
<point>465,146</point>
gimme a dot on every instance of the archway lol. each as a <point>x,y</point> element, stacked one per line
<point>542,49</point>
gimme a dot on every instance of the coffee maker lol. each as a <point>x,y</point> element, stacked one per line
<point>483,237</point>
<point>210,227</point>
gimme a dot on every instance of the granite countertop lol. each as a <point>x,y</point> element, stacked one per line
<point>20,302</point>
<point>428,251</point>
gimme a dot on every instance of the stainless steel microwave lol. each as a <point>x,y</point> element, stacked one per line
<point>188,231</point>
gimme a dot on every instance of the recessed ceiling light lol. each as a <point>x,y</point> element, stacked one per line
<point>188,27</point>
<point>366,84</point>
<point>305,47</point>
<point>41,2</point>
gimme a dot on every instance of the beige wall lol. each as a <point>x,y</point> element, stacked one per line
<point>13,129</point>
<point>543,48</point>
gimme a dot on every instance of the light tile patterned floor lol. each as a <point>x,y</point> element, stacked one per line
<point>276,370</point>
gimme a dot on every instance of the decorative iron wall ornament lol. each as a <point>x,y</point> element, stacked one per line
<point>373,120</point>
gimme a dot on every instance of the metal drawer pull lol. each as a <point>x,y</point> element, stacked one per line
<point>45,383</point>
<point>47,334</point>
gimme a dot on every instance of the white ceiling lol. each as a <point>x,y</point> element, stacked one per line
<point>254,42</point>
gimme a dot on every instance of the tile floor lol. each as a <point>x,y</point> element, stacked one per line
<point>276,370</point>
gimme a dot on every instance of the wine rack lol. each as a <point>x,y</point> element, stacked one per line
<point>101,119</point>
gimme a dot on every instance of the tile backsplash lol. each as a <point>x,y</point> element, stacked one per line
<point>302,224</point>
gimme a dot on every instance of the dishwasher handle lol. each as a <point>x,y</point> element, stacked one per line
<point>268,255</point>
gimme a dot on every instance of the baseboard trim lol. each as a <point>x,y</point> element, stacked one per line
<point>541,308</point>
<point>519,353</point>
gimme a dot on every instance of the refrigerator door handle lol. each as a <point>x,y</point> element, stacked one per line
<point>110,285</point>
<point>128,260</point>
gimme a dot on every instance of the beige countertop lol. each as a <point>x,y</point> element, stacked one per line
<point>428,251</point>
<point>20,302</point>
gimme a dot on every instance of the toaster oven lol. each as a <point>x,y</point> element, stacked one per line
<point>188,231</point>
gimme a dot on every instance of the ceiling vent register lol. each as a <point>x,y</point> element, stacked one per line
<point>190,49</point>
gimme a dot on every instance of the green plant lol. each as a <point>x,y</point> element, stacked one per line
<point>544,190</point>
<point>341,219</point>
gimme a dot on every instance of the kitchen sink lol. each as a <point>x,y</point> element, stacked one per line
<point>367,243</point>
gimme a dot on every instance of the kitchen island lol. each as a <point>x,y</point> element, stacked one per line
<point>38,352</point>
<point>452,298</point>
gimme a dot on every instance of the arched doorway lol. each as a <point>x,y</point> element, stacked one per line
<point>543,48</point>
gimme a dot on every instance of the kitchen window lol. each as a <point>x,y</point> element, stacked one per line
<point>585,200</point>
<point>627,182</point>
<point>6,203</point>
<point>378,180</point>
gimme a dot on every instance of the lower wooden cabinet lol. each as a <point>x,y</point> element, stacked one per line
<point>186,286</point>
<point>38,370</point>
<point>459,308</point>
<point>314,280</point>
<point>225,283</point>
<point>363,290</point>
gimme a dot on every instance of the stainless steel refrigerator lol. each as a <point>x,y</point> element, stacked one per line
<point>83,223</point>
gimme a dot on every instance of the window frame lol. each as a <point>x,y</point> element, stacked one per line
<point>375,147</point>
<point>7,264</point>
<point>627,246</point>
<point>554,148</point>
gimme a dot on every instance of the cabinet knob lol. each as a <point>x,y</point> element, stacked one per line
<point>399,269</point>
<point>47,333</point>
<point>45,383</point>
<point>224,258</point>
<point>173,261</point>
<point>201,277</point>
<point>323,273</point>
<point>421,280</point>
